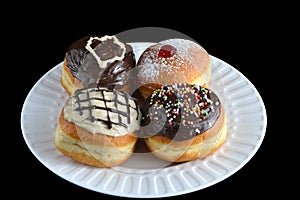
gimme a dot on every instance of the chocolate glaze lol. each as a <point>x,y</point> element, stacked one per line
<point>180,113</point>
<point>85,68</point>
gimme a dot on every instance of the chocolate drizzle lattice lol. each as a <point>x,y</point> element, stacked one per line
<point>96,99</point>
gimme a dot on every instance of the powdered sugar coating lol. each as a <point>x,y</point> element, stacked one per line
<point>183,47</point>
<point>176,68</point>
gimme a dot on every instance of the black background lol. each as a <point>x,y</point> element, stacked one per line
<point>239,36</point>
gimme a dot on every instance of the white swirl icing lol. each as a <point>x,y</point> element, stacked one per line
<point>87,109</point>
<point>103,63</point>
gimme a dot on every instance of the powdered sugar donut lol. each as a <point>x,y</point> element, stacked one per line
<point>173,61</point>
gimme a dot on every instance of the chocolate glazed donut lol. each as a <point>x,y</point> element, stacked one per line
<point>101,62</point>
<point>183,122</point>
<point>193,108</point>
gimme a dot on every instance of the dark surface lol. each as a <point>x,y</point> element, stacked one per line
<point>243,45</point>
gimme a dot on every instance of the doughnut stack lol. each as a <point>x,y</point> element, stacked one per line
<point>99,122</point>
<point>175,114</point>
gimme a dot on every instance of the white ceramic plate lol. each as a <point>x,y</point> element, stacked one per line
<point>143,175</point>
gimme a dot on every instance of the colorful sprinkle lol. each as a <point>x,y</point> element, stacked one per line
<point>191,100</point>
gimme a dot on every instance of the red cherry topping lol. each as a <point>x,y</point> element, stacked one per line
<point>166,51</point>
